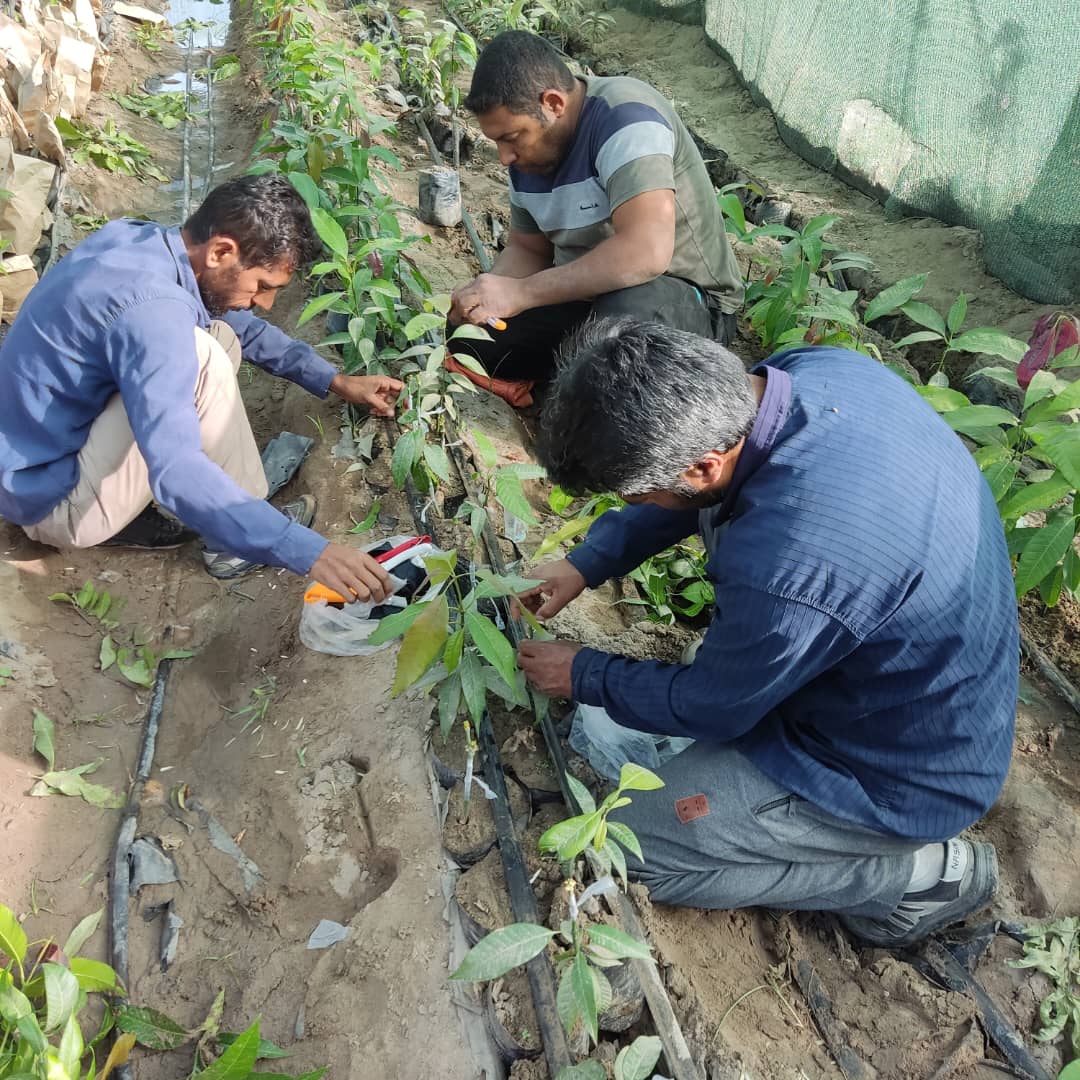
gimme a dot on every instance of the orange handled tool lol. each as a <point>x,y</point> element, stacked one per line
<point>496,324</point>
<point>317,591</point>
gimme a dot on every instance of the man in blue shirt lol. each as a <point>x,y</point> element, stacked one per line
<point>118,386</point>
<point>853,699</point>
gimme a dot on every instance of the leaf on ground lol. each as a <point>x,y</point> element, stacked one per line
<point>118,1055</point>
<point>266,1051</point>
<point>107,653</point>
<point>45,738</point>
<point>73,782</point>
<point>83,933</point>
<point>636,1061</point>
<point>151,1028</point>
<point>237,1061</point>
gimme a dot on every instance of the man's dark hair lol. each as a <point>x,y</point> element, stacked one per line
<point>514,70</point>
<point>265,215</point>
<point>634,404</point>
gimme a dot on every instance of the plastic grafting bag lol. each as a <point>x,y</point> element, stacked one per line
<point>608,746</point>
<point>343,630</point>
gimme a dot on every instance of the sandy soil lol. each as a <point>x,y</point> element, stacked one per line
<point>329,795</point>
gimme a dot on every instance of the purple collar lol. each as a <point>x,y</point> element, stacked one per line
<point>771,414</point>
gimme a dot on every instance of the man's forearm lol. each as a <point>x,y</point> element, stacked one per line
<point>516,261</point>
<point>619,262</point>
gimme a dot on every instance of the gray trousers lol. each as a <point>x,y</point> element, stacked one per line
<point>721,834</point>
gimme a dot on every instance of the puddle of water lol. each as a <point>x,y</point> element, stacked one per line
<point>203,11</point>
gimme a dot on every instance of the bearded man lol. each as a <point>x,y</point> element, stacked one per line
<point>118,388</point>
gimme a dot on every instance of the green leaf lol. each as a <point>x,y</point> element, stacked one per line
<point>369,520</point>
<point>817,226</point>
<point>73,783</point>
<point>12,936</point>
<point>637,778</point>
<point>151,1028</point>
<point>92,975</point>
<point>567,531</point>
<point>584,991</point>
<point>107,653</point>
<point>925,315</point>
<point>1032,497</point>
<point>584,1070</point>
<point>1045,550</point>
<point>449,703</point>
<point>916,338</point>
<point>136,666</point>
<point>472,364</point>
<point>71,1048</point>
<point>437,461</point>
<point>237,1061</point>
<point>492,644</point>
<point>330,232</point>
<point>82,933</point>
<point>618,943</point>
<point>985,339</point>
<point>580,792</point>
<point>511,495</point>
<point>1071,571</point>
<point>267,1051</point>
<point>732,209</point>
<point>1063,449</point>
<point>1071,1071</point>
<point>319,304</point>
<point>473,684</point>
<point>420,324</point>
<point>942,398</point>
<point>489,456</point>
<point>616,857</point>
<point>309,190</point>
<point>466,331</point>
<point>406,451</point>
<point>569,838</point>
<point>971,418</point>
<point>637,1061</point>
<point>800,281</point>
<point>957,314</point>
<point>61,995</point>
<point>395,624</point>
<point>45,738</point>
<point>502,951</point>
<point>625,836</point>
<point>1000,476</point>
<point>1068,399</point>
<point>895,296</point>
<point>422,644</point>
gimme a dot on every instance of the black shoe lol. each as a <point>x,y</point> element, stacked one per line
<point>150,531</point>
<point>967,884</point>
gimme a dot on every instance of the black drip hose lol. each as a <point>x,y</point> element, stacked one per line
<point>120,872</point>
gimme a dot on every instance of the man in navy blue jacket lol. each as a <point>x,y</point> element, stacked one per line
<point>118,386</point>
<point>853,699</point>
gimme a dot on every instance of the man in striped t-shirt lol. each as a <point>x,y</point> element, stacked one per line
<point>611,211</point>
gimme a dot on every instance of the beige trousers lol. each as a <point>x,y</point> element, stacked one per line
<point>114,485</point>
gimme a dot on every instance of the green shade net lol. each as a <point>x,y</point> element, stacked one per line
<point>965,110</point>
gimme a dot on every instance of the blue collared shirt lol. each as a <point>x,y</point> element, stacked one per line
<point>864,650</point>
<point>118,315</point>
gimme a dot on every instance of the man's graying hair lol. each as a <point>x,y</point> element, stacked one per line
<point>514,69</point>
<point>634,404</point>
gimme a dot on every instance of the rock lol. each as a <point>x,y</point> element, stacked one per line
<point>774,212</point>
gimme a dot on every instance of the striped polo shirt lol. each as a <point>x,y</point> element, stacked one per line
<point>629,140</point>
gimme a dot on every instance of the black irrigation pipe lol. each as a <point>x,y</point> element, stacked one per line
<point>1050,671</point>
<point>936,962</point>
<point>120,872</point>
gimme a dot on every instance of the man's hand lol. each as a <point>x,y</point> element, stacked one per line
<point>561,583</point>
<point>352,573</point>
<point>489,296</point>
<point>547,665</point>
<point>377,392</point>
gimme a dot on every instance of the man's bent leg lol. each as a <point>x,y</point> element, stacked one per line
<point>114,486</point>
<point>668,300</point>
<point>721,834</point>
<point>526,348</point>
